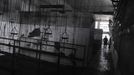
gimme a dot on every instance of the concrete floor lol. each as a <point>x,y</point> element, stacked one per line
<point>102,63</point>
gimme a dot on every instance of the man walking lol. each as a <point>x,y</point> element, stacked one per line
<point>105,40</point>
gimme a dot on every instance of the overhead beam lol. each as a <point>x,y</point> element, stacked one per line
<point>106,32</point>
<point>52,6</point>
<point>115,0</point>
<point>103,13</point>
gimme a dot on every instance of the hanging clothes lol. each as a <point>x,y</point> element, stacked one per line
<point>36,32</point>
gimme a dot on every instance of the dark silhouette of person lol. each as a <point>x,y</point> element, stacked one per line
<point>105,40</point>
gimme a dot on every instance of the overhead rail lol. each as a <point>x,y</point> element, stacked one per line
<point>55,8</point>
<point>52,6</point>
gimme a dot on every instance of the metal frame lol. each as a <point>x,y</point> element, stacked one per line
<point>18,46</point>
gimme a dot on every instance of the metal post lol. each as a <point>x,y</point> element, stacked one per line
<point>39,58</point>
<point>19,47</point>
<point>57,47</point>
<point>13,60</point>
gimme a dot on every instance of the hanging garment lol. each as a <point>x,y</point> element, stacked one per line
<point>36,32</point>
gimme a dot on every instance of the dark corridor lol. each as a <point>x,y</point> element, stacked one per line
<point>102,62</point>
<point>64,37</point>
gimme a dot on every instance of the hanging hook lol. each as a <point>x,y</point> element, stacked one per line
<point>65,35</point>
<point>47,32</point>
<point>14,31</point>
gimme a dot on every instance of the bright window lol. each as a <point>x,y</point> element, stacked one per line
<point>96,25</point>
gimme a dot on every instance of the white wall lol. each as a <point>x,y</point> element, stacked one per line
<point>81,36</point>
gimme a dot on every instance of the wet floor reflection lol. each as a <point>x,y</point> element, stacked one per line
<point>103,61</point>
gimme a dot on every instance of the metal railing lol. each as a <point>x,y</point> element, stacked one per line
<point>17,48</point>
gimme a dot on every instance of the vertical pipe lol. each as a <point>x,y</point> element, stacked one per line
<point>29,7</point>
<point>58,66</point>
<point>13,60</point>
<point>20,32</point>
<point>19,46</point>
<point>57,44</point>
<point>39,56</point>
<point>57,47</point>
<point>84,56</point>
<point>39,42</point>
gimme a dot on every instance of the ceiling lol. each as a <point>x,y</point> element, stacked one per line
<point>100,8</point>
<point>103,17</point>
<point>86,7</point>
<point>91,5</point>
<point>75,5</point>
